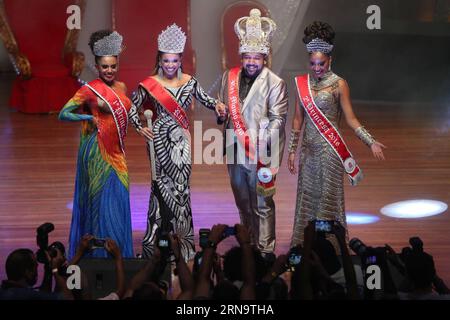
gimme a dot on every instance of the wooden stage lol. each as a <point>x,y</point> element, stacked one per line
<point>38,159</point>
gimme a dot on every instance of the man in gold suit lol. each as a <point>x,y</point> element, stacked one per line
<point>257,103</point>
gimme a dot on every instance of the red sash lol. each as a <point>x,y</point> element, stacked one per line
<point>160,94</point>
<point>266,176</point>
<point>327,130</point>
<point>118,110</point>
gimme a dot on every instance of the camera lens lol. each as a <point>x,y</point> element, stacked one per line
<point>357,246</point>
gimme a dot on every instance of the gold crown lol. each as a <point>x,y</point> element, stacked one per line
<point>254,33</point>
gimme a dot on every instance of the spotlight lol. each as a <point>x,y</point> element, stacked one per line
<point>360,218</point>
<point>413,209</point>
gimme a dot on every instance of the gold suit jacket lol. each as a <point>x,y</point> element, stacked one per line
<point>266,104</point>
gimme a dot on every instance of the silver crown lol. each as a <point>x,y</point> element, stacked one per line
<point>172,40</point>
<point>319,45</point>
<point>110,45</point>
<point>254,33</point>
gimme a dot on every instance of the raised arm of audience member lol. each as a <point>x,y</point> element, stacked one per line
<point>440,286</point>
<point>305,290</point>
<point>55,263</point>
<point>112,247</point>
<point>278,267</point>
<point>184,274</point>
<point>217,268</point>
<point>204,282</point>
<point>144,274</point>
<point>349,270</point>
<point>83,246</point>
<point>392,256</point>
<point>248,263</point>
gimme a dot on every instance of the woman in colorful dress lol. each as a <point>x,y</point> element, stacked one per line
<point>170,91</point>
<point>101,205</point>
<point>324,157</point>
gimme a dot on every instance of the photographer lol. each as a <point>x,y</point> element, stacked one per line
<point>216,235</point>
<point>311,280</point>
<point>22,272</point>
<point>141,287</point>
<point>89,243</point>
<point>184,274</point>
<point>272,286</point>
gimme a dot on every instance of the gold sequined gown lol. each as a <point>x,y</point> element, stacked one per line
<point>320,190</point>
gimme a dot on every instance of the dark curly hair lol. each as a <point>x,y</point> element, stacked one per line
<point>319,29</point>
<point>97,36</point>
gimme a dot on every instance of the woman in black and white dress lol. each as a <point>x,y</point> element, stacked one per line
<point>170,203</point>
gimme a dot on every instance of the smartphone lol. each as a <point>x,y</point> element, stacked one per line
<point>294,258</point>
<point>229,231</point>
<point>371,260</point>
<point>97,243</point>
<point>324,225</point>
<point>203,237</point>
<point>163,243</point>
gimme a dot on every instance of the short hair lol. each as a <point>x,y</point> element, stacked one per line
<point>18,263</point>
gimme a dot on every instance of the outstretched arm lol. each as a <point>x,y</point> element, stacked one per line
<point>208,101</point>
<point>352,121</point>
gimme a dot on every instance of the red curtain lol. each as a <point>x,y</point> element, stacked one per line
<point>39,27</point>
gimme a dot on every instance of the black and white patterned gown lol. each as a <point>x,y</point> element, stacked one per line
<point>173,168</point>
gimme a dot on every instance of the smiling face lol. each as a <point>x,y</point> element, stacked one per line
<point>252,63</point>
<point>319,63</point>
<point>170,63</point>
<point>107,68</point>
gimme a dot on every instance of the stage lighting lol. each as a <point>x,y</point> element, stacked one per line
<point>413,209</point>
<point>360,218</point>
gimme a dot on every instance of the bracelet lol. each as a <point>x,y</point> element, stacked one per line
<point>55,270</point>
<point>293,141</point>
<point>364,136</point>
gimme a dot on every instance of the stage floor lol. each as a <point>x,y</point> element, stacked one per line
<point>37,172</point>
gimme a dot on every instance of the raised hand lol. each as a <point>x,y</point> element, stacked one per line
<point>221,109</point>
<point>146,133</point>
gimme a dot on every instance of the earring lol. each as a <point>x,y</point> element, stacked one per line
<point>179,73</point>
<point>160,72</point>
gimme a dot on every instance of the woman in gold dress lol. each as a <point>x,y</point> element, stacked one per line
<point>320,193</point>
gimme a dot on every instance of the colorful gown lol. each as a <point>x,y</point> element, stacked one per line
<point>101,204</point>
<point>320,190</point>
<point>170,199</point>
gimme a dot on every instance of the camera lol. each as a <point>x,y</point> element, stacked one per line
<point>203,237</point>
<point>96,243</point>
<point>42,241</point>
<point>368,255</point>
<point>357,246</point>
<point>229,231</point>
<point>56,246</point>
<point>324,225</point>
